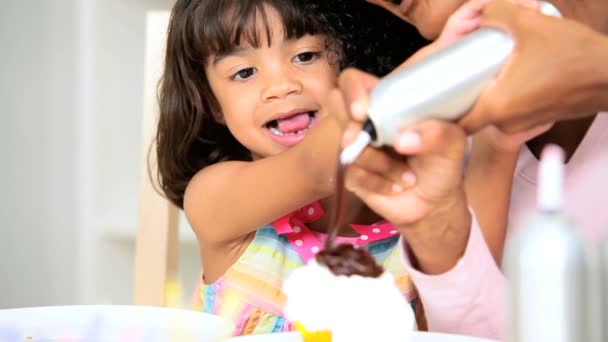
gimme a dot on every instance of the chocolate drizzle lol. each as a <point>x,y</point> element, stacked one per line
<point>337,212</point>
<point>345,259</point>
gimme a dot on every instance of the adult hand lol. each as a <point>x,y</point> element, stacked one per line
<point>417,184</point>
<point>497,141</point>
<point>556,71</point>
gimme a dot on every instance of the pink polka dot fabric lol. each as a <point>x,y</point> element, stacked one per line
<point>307,243</point>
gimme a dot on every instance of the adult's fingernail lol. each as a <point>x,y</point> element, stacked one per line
<point>358,109</point>
<point>397,188</point>
<point>408,140</point>
<point>408,178</point>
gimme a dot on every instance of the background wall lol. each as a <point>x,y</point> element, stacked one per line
<point>71,84</point>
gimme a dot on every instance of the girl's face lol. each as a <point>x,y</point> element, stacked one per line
<point>428,16</point>
<point>271,96</point>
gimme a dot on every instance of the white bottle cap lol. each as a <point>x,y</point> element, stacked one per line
<point>549,9</point>
<point>551,179</point>
<point>352,151</point>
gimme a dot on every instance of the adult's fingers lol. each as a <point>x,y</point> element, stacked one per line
<point>363,181</point>
<point>431,136</point>
<point>356,86</point>
<point>387,163</point>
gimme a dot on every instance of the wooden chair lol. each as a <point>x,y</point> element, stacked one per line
<point>156,252</point>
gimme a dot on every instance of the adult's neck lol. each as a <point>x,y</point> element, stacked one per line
<point>567,134</point>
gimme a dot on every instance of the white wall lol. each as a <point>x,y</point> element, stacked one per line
<point>37,148</point>
<point>71,74</point>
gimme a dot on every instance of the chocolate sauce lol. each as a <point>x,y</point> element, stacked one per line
<point>337,213</point>
<point>345,259</point>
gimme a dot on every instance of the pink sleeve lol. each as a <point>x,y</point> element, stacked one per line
<point>470,298</point>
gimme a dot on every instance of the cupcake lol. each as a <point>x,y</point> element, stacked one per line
<point>342,295</point>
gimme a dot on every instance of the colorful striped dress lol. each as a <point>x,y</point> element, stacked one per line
<point>249,293</point>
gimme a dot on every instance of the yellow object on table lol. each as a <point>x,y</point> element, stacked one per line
<point>313,336</point>
<point>174,294</point>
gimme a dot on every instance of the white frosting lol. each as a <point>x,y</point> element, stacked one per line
<point>353,308</point>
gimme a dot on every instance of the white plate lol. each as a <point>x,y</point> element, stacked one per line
<point>435,337</point>
<point>97,323</point>
<point>417,337</point>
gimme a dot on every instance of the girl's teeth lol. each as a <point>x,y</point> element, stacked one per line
<point>274,130</point>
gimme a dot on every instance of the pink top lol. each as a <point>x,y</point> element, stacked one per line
<point>470,298</point>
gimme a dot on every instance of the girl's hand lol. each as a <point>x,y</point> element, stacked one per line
<point>465,20</point>
<point>468,19</point>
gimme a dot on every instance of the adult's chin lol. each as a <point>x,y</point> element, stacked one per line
<point>429,32</point>
<point>391,7</point>
<point>427,29</point>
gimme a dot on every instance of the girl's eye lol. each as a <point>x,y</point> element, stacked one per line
<point>243,74</point>
<point>307,57</point>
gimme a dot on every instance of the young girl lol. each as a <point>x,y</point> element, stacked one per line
<point>246,149</point>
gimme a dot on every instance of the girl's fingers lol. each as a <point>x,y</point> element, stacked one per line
<point>471,9</point>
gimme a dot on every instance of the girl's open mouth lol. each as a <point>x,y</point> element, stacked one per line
<point>289,130</point>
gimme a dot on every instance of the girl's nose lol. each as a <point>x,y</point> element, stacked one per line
<point>279,85</point>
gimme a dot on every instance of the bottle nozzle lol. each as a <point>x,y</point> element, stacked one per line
<point>351,152</point>
<point>551,179</point>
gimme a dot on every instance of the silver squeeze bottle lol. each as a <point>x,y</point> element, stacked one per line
<point>547,267</point>
<point>442,86</point>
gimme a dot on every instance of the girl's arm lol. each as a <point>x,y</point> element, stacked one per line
<point>227,201</point>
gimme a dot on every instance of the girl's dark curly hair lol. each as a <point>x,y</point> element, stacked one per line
<point>188,138</point>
